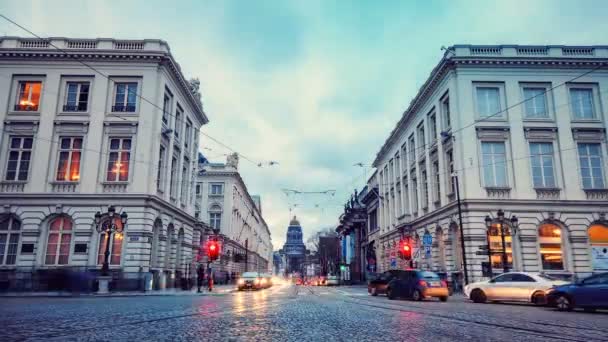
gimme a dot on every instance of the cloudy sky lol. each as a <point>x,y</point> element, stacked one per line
<point>314,85</point>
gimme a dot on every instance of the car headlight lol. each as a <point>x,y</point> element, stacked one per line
<point>263,281</point>
<point>257,281</point>
<point>241,281</point>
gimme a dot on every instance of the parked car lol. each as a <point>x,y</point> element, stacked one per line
<point>589,294</point>
<point>332,280</point>
<point>513,287</point>
<point>413,284</point>
<point>249,280</point>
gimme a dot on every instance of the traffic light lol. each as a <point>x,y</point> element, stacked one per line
<point>405,251</point>
<point>213,250</point>
<point>342,268</point>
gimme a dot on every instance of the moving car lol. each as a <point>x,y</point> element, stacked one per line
<point>265,280</point>
<point>332,280</point>
<point>249,280</point>
<point>590,293</point>
<point>513,287</point>
<point>413,284</point>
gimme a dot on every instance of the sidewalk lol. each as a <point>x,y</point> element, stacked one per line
<point>217,290</point>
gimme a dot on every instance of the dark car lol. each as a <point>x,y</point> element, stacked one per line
<point>590,293</point>
<point>413,284</point>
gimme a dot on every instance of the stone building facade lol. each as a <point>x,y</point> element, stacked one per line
<point>520,129</point>
<point>223,202</point>
<point>88,124</point>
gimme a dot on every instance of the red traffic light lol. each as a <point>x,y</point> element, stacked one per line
<point>212,247</point>
<point>213,250</point>
<point>406,248</point>
<point>406,251</point>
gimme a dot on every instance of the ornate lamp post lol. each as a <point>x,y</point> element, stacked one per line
<point>109,227</point>
<point>500,217</point>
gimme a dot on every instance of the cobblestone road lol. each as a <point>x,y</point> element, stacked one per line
<point>288,313</point>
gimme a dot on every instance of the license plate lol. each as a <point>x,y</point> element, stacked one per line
<point>435,283</point>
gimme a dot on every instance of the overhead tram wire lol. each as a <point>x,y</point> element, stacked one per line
<point>67,54</point>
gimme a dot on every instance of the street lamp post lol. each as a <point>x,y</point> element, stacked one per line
<point>500,216</point>
<point>108,227</point>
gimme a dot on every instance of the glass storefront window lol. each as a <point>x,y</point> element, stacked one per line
<point>550,243</point>
<point>494,234</point>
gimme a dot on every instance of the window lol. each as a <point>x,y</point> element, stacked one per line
<point>536,103</point>
<point>445,111</point>
<point>550,243</point>
<point>173,185</point>
<point>436,181</point>
<point>414,192</point>
<point>184,188</point>
<point>178,122</point>
<point>118,160</point>
<point>166,109</point>
<point>215,220</point>
<point>59,241</point>
<point>582,103</point>
<point>494,235</point>
<point>19,155</point>
<point>522,278</point>
<point>488,102</point>
<point>449,160</point>
<point>425,187</point>
<point>217,189</point>
<point>188,134</point>
<point>590,159</point>
<point>597,280</point>
<point>543,175</point>
<point>433,127</point>
<point>9,239</point>
<point>406,191</point>
<point>198,189</point>
<point>421,138</point>
<point>68,166</point>
<point>373,220</point>
<point>412,148</point>
<point>403,158</point>
<point>160,173</point>
<point>76,97</point>
<point>115,246</point>
<point>125,96</point>
<point>493,157</point>
<point>28,96</point>
<point>598,241</point>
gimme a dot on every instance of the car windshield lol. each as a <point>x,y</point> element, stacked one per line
<point>428,275</point>
<point>250,275</point>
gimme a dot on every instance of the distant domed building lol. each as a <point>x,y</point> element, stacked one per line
<point>294,249</point>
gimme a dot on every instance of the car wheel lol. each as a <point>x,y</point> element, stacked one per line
<point>374,292</point>
<point>538,298</point>
<point>564,303</point>
<point>416,296</point>
<point>477,296</point>
<point>443,299</point>
<point>390,294</point>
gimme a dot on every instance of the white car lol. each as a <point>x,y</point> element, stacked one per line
<point>513,287</point>
<point>332,280</point>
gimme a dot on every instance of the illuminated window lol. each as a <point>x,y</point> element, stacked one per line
<point>119,160</point>
<point>115,246</point>
<point>550,241</point>
<point>598,239</point>
<point>19,155</point>
<point>125,95</point>
<point>28,96</point>
<point>494,234</point>
<point>76,97</point>
<point>59,241</point>
<point>68,166</point>
<point>9,239</point>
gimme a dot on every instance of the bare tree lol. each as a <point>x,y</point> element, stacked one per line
<point>312,243</point>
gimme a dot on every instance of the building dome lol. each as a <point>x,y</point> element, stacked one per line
<point>294,222</point>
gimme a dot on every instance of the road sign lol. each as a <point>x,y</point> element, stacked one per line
<point>427,252</point>
<point>427,239</point>
<point>393,262</point>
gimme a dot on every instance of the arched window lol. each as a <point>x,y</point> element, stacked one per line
<point>9,239</point>
<point>494,235</point>
<point>169,246</point>
<point>158,225</point>
<point>440,249</point>
<point>180,252</point>
<point>59,241</point>
<point>598,239</point>
<point>115,246</point>
<point>550,242</point>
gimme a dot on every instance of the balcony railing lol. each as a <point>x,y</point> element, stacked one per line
<point>12,186</point>
<point>123,108</point>
<point>75,108</point>
<point>26,108</point>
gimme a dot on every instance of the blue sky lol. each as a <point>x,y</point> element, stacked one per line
<point>315,85</point>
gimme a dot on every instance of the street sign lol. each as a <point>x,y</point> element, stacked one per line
<point>427,252</point>
<point>427,239</point>
<point>393,262</point>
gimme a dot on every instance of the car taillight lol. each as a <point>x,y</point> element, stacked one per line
<point>444,283</point>
<point>423,283</point>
